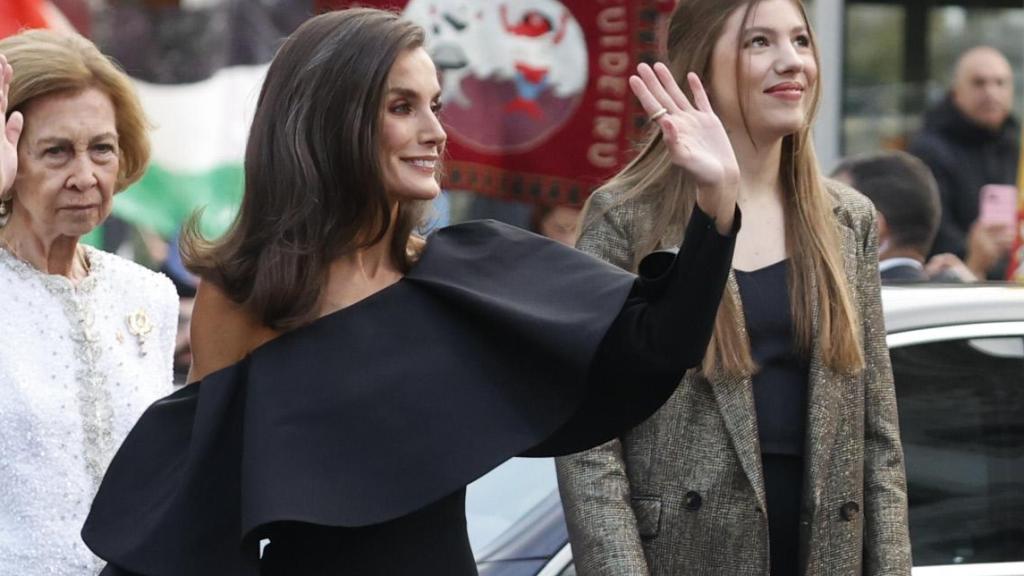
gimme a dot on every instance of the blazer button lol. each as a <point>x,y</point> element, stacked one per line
<point>849,511</point>
<point>693,501</point>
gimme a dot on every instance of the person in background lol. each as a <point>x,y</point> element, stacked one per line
<point>87,337</point>
<point>906,197</point>
<point>186,284</point>
<point>781,453</point>
<point>559,223</point>
<point>968,141</point>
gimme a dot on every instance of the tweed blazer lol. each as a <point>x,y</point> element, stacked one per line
<point>683,493</point>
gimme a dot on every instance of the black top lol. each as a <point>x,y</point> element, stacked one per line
<point>357,433</point>
<point>780,387</point>
<point>780,399</point>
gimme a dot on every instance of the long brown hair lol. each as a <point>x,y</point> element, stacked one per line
<point>812,238</point>
<point>313,183</point>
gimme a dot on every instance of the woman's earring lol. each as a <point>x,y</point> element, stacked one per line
<point>5,210</point>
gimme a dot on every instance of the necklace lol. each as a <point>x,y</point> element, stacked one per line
<point>81,261</point>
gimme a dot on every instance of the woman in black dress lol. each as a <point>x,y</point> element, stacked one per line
<point>350,378</point>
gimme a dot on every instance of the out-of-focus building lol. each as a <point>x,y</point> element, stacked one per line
<point>886,61</point>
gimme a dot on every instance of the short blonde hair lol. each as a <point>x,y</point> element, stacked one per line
<point>47,62</point>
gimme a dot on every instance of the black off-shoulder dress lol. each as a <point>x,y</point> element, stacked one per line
<point>349,442</point>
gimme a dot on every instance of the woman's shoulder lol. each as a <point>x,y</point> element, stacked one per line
<point>852,208</point>
<point>619,201</point>
<point>614,213</point>
<point>223,331</point>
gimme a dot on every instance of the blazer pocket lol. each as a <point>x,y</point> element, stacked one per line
<point>647,510</point>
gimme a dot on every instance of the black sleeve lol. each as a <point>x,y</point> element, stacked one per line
<point>665,325</point>
<point>662,330</point>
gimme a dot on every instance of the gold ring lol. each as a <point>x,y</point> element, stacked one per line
<point>658,114</point>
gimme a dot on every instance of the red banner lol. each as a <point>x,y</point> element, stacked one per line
<point>536,100</point>
<point>62,15</point>
<point>16,15</point>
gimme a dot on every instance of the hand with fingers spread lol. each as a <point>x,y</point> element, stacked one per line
<point>11,129</point>
<point>695,137</point>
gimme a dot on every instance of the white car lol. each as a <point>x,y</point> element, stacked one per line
<point>958,362</point>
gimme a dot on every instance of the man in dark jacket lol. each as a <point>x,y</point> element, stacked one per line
<point>907,200</point>
<point>970,140</point>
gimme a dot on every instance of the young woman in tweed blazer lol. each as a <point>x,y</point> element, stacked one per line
<point>781,454</point>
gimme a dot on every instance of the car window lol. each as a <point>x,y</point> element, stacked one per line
<point>497,500</point>
<point>961,407</point>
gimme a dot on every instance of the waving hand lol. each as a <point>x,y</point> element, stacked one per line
<point>11,130</point>
<point>694,136</point>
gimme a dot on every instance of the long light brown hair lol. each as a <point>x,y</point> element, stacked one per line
<point>812,239</point>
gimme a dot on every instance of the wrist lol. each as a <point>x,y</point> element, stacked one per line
<point>725,221</point>
<point>728,183</point>
<point>726,197</point>
<point>724,217</point>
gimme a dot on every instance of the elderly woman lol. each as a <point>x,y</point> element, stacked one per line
<point>87,337</point>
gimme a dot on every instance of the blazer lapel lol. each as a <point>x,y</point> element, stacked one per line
<point>824,386</point>
<point>735,398</point>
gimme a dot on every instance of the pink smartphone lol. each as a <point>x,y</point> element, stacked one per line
<point>997,204</point>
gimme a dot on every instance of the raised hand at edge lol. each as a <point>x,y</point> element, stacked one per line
<point>11,129</point>
<point>695,138</point>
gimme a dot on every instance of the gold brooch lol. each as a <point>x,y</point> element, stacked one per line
<point>139,325</point>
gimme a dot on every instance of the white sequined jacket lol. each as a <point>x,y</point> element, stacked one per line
<point>78,365</point>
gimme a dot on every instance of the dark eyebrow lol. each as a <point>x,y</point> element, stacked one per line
<point>408,93</point>
<point>771,31</point>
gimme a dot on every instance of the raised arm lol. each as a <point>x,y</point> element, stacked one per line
<point>665,325</point>
<point>11,130</point>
